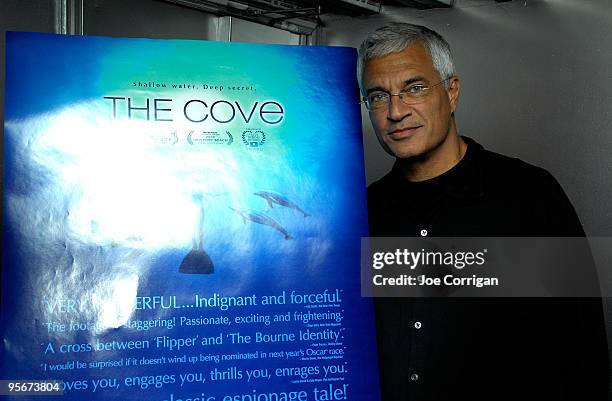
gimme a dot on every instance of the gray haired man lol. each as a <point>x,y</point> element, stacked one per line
<point>443,184</point>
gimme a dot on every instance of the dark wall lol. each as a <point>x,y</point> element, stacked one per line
<point>146,18</point>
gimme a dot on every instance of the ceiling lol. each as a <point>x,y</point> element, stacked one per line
<point>302,16</point>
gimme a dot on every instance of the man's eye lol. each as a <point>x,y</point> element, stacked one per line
<point>377,97</point>
<point>416,89</point>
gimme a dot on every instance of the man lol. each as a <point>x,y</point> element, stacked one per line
<point>443,184</point>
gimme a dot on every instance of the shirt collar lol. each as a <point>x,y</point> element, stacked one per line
<point>464,180</point>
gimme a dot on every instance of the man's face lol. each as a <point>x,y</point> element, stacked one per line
<point>417,129</point>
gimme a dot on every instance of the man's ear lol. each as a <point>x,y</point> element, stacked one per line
<point>454,87</point>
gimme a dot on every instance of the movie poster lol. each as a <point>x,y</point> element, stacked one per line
<point>182,221</point>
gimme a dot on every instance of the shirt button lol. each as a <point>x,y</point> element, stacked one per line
<point>423,233</point>
<point>417,325</point>
<point>414,377</point>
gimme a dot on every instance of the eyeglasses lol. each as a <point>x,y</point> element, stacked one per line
<point>413,94</point>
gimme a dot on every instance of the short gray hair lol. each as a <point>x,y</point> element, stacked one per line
<point>397,36</point>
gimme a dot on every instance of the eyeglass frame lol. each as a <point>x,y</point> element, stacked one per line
<point>364,99</point>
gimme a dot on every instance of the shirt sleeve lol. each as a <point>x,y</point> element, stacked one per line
<point>589,347</point>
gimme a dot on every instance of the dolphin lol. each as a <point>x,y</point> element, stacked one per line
<point>197,261</point>
<point>261,218</point>
<point>272,198</point>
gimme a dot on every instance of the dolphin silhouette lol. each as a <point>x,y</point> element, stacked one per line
<point>272,198</point>
<point>197,261</point>
<point>261,218</point>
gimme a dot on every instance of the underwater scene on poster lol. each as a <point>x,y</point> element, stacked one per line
<point>182,221</point>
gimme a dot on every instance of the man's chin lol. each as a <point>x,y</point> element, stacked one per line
<point>404,152</point>
<point>406,148</point>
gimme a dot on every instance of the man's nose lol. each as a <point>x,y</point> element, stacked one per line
<point>398,110</point>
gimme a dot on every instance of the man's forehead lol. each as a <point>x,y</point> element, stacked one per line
<point>403,65</point>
